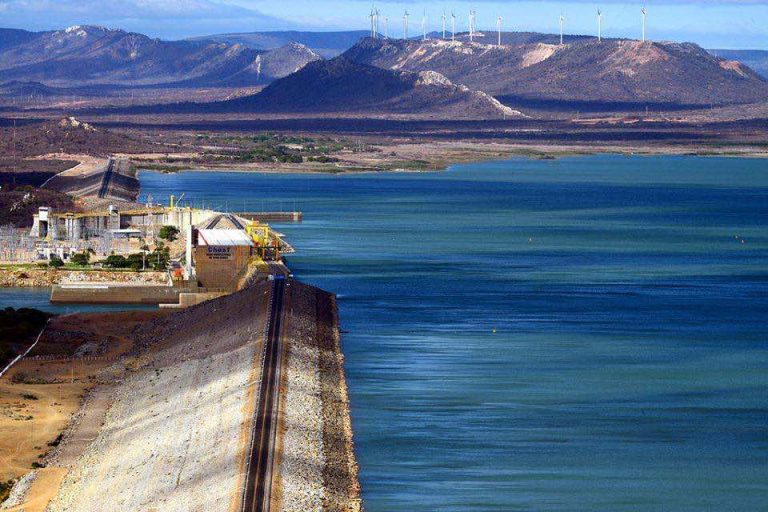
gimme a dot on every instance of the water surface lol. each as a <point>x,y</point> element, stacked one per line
<point>573,335</point>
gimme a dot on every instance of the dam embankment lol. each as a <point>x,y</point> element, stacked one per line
<point>177,409</point>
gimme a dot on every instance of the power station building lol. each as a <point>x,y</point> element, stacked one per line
<point>146,221</point>
<point>222,256</point>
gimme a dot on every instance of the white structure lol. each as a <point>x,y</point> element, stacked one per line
<point>644,11</point>
<point>562,22</point>
<point>424,26</point>
<point>472,17</point>
<point>386,27</point>
<point>599,26</point>
<point>405,25</point>
<point>442,18</point>
<point>498,27</point>
<point>453,26</point>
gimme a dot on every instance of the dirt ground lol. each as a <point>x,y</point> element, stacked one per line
<point>38,398</point>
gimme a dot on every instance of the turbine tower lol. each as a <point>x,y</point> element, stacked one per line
<point>471,25</point>
<point>443,20</point>
<point>644,11</point>
<point>562,22</point>
<point>405,25</point>
<point>424,26</point>
<point>599,26</point>
<point>386,27</point>
<point>498,27</point>
<point>453,26</point>
<point>372,16</point>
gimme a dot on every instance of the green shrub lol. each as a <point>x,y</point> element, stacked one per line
<point>169,233</point>
<point>116,261</point>
<point>55,262</point>
<point>81,259</point>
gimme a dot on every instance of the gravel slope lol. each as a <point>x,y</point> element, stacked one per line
<point>172,439</point>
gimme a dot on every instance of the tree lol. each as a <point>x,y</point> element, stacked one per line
<point>169,233</point>
<point>116,261</point>
<point>55,262</point>
<point>81,259</point>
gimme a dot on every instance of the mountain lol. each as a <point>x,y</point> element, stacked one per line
<point>534,69</point>
<point>345,87</point>
<point>271,65</point>
<point>11,37</point>
<point>755,59</point>
<point>326,44</point>
<point>87,55</point>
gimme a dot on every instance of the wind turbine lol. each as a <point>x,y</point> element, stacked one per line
<point>443,20</point>
<point>405,25</point>
<point>453,26</point>
<point>562,21</point>
<point>471,25</point>
<point>424,26</point>
<point>645,13</point>
<point>386,27</point>
<point>498,27</point>
<point>599,26</point>
<point>373,22</point>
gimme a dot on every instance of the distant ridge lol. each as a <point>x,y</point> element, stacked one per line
<point>326,44</point>
<point>532,68</point>
<point>90,55</point>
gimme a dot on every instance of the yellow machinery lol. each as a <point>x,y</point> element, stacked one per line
<point>175,202</point>
<point>260,235</point>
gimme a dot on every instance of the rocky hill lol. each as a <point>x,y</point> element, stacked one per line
<point>531,69</point>
<point>87,55</point>
<point>343,86</point>
<point>327,44</point>
<point>755,59</point>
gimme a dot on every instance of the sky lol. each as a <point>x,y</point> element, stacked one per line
<point>713,24</point>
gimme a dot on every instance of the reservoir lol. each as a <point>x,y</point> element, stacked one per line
<point>572,335</point>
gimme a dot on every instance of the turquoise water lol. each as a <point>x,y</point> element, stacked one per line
<point>573,335</point>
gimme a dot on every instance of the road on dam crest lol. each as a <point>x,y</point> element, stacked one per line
<point>258,478</point>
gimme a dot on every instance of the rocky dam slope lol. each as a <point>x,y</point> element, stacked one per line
<point>169,429</point>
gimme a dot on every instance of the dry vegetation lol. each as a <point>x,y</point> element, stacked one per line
<point>38,398</point>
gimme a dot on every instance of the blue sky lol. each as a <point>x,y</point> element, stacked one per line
<point>713,24</point>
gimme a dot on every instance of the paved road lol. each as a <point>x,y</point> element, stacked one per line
<point>258,479</point>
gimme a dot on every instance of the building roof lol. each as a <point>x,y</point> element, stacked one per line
<point>224,237</point>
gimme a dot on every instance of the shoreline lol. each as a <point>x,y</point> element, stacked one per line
<point>480,156</point>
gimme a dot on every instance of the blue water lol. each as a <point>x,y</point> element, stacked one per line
<point>39,298</point>
<point>573,335</point>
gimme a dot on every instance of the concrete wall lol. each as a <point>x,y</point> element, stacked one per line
<point>218,267</point>
<point>112,294</point>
